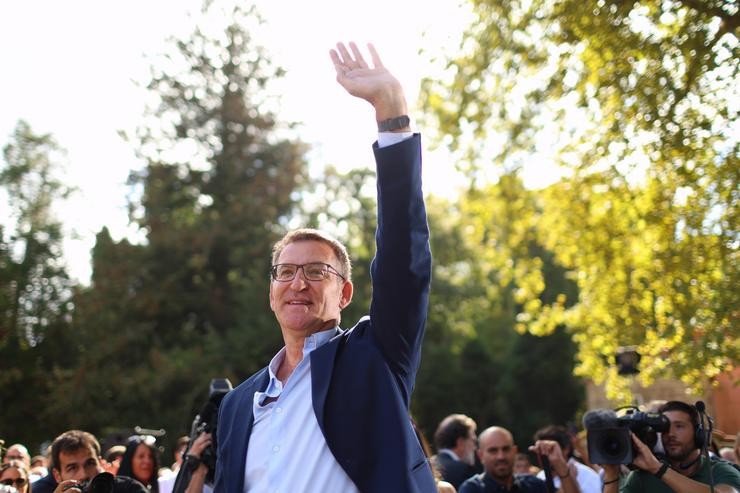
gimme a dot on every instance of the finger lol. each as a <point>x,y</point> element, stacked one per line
<point>358,55</point>
<point>377,63</point>
<point>345,56</point>
<point>338,65</point>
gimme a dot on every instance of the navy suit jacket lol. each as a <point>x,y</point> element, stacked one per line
<point>362,379</point>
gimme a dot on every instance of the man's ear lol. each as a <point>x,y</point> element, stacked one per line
<point>57,475</point>
<point>346,298</point>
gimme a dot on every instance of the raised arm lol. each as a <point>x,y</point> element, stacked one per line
<point>401,269</point>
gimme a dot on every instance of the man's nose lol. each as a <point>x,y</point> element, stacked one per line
<point>299,281</point>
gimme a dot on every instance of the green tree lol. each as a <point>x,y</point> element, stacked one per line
<point>220,184</point>
<point>634,100</point>
<point>475,361</point>
<point>35,289</point>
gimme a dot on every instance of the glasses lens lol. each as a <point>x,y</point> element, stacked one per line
<point>284,272</point>
<point>315,272</point>
<point>11,482</point>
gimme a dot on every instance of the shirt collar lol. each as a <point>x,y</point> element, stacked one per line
<point>449,452</point>
<point>311,342</point>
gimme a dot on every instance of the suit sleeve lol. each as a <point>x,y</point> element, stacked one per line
<point>401,269</point>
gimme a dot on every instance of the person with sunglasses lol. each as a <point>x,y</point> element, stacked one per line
<point>330,411</point>
<point>14,473</point>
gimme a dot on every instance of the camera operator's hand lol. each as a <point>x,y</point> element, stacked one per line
<point>558,464</point>
<point>201,443</point>
<point>68,486</point>
<point>644,458</point>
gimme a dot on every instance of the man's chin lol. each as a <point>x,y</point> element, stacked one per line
<point>677,455</point>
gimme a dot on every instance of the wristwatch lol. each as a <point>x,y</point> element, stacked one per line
<point>192,462</point>
<point>660,472</point>
<point>394,123</point>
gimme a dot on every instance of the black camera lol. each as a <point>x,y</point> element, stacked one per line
<point>608,435</point>
<point>101,483</point>
<point>205,422</point>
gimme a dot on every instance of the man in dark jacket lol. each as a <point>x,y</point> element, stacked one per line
<point>456,441</point>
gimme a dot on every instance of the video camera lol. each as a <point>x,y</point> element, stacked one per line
<point>608,435</point>
<point>205,422</point>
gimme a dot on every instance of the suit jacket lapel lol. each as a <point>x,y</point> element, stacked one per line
<point>242,428</point>
<point>322,365</point>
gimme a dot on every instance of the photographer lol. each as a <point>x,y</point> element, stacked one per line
<point>198,469</point>
<point>685,469</point>
<point>496,451</point>
<point>75,457</point>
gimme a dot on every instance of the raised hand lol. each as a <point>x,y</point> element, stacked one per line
<point>374,84</point>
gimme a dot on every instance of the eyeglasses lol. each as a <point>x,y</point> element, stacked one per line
<point>19,482</point>
<point>314,271</point>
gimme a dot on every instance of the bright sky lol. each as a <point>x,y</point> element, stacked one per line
<point>69,67</point>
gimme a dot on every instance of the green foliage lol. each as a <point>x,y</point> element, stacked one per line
<point>634,100</point>
<point>190,304</point>
<point>35,289</point>
<point>474,360</point>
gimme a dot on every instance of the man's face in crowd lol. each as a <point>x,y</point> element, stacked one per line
<point>522,464</point>
<point>678,442</point>
<point>496,452</point>
<point>306,306</point>
<point>469,445</point>
<point>80,465</point>
<point>15,453</point>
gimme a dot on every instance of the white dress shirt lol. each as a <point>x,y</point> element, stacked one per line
<point>287,451</point>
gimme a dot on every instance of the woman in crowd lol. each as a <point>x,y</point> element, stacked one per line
<point>140,461</point>
<point>15,474</point>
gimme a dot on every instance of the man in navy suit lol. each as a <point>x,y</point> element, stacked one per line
<point>330,411</point>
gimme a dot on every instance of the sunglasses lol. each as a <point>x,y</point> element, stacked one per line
<point>17,482</point>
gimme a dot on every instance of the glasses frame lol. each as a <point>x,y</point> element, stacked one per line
<point>329,270</point>
<point>14,482</point>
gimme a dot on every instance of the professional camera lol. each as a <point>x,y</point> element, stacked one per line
<point>608,435</point>
<point>101,483</point>
<point>205,422</point>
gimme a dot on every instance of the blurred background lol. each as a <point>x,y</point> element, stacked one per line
<point>581,171</point>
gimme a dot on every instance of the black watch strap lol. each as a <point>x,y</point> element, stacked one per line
<point>660,472</point>
<point>391,124</point>
<point>192,462</point>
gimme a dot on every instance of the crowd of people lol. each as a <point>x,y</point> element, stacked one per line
<point>467,462</point>
<point>75,459</point>
<point>462,460</point>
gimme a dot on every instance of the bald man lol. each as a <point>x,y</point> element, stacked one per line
<point>497,452</point>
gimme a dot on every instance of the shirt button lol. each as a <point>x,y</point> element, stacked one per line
<point>276,449</point>
<point>278,409</point>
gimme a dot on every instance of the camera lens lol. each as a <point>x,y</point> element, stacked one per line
<point>613,444</point>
